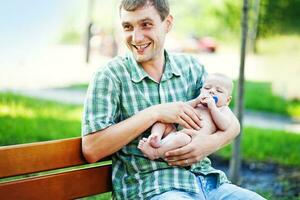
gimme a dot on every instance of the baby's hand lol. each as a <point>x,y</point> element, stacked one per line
<point>210,101</point>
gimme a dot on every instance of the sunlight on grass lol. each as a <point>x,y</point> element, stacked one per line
<point>25,120</point>
<point>294,110</point>
<point>30,108</point>
<point>16,110</point>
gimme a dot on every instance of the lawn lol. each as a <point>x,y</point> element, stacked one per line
<point>24,120</point>
<point>259,97</point>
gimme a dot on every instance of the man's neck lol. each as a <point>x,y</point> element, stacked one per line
<point>155,67</point>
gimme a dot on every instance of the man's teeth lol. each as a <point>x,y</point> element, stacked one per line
<point>141,46</point>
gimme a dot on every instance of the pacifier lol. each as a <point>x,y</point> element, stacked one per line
<point>216,99</point>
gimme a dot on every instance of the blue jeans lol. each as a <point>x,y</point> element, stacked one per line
<point>210,191</point>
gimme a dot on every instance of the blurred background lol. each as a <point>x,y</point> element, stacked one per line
<point>49,51</point>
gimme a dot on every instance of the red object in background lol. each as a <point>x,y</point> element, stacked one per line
<point>207,44</point>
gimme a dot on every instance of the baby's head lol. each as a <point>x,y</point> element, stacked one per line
<point>218,85</point>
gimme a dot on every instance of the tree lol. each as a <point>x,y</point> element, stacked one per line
<point>235,162</point>
<point>254,29</point>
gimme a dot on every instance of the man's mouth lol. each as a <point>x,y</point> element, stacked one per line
<point>141,47</point>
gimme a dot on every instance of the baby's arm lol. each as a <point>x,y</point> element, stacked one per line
<point>221,117</point>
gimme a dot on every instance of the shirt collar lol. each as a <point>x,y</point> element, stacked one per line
<point>138,74</point>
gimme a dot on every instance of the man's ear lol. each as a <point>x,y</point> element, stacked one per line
<point>169,23</point>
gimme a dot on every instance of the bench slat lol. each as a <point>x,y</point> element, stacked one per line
<point>40,156</point>
<point>68,185</point>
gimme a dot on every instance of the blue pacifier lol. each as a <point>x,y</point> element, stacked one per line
<point>216,99</point>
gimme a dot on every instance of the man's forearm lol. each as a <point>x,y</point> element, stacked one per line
<point>108,141</point>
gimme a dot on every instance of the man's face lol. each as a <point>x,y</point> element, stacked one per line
<point>144,32</point>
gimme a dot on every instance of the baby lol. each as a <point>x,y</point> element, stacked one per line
<point>216,115</point>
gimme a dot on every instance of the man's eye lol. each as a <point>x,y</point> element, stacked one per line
<point>127,27</point>
<point>146,25</point>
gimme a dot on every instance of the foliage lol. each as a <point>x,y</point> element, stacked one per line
<point>201,18</point>
<point>221,18</point>
<point>279,16</point>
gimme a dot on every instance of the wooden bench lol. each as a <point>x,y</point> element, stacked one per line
<point>57,176</point>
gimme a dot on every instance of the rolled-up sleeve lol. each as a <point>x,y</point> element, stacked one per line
<point>101,107</point>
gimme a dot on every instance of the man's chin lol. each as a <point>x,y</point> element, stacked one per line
<point>141,58</point>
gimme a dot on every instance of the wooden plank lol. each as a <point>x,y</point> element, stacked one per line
<point>67,185</point>
<point>40,156</point>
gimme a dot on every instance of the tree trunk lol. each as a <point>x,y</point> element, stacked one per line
<point>89,30</point>
<point>235,162</point>
<point>254,31</point>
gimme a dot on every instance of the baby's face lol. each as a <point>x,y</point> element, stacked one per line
<point>215,86</point>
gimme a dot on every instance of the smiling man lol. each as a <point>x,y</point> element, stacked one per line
<point>131,93</point>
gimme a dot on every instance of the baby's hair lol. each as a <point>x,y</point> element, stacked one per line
<point>228,81</point>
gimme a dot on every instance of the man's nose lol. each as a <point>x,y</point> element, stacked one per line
<point>137,36</point>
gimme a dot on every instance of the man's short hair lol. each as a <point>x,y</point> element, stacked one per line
<point>162,6</point>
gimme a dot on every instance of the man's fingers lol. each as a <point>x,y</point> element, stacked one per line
<point>184,162</point>
<point>191,117</point>
<point>183,123</point>
<point>178,152</point>
<point>171,159</point>
<point>190,122</point>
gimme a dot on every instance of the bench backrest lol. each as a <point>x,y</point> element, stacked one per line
<point>67,183</point>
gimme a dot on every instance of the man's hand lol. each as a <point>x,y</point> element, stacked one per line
<point>201,146</point>
<point>178,112</point>
<point>195,102</point>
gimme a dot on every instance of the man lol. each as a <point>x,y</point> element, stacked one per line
<point>132,93</point>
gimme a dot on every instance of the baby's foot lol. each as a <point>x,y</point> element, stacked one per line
<point>147,149</point>
<point>154,141</point>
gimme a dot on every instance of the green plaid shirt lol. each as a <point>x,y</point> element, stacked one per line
<point>122,89</point>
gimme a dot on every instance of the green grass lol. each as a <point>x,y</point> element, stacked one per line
<point>25,120</point>
<point>259,96</point>
<point>267,145</point>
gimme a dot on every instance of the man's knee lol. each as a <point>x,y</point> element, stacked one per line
<point>232,192</point>
<point>178,195</point>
